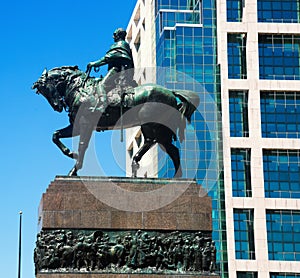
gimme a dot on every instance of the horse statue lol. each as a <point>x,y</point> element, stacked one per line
<point>161,113</point>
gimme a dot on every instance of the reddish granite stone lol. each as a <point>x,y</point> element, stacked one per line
<point>69,202</point>
<point>131,220</point>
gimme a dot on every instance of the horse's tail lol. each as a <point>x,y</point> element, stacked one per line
<point>189,103</point>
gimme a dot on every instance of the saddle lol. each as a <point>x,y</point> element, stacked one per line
<point>98,97</point>
<point>121,94</point>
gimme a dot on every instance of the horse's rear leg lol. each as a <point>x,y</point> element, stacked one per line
<point>138,156</point>
<point>147,131</point>
<point>173,152</point>
<point>164,136</point>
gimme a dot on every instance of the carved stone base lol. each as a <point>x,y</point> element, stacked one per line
<point>97,275</point>
<point>122,227</point>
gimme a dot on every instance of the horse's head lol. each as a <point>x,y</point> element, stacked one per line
<point>46,86</point>
<point>51,85</point>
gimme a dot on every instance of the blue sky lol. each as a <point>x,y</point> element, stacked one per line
<point>35,35</point>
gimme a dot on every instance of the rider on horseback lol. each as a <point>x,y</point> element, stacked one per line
<point>119,60</point>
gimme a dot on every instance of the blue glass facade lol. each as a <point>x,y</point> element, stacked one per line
<point>281,173</point>
<point>186,58</point>
<point>234,10</point>
<point>280,114</point>
<point>284,275</point>
<point>244,234</point>
<point>248,274</point>
<point>238,113</point>
<point>236,48</point>
<point>279,57</point>
<point>280,11</point>
<point>283,229</point>
<point>241,174</point>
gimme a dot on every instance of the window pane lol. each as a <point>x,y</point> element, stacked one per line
<point>281,173</point>
<point>238,109</point>
<point>279,57</point>
<point>280,114</point>
<point>282,229</point>
<point>236,48</point>
<point>234,10</point>
<point>240,169</point>
<point>280,11</point>
<point>244,234</point>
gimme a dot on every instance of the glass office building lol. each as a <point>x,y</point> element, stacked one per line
<point>243,57</point>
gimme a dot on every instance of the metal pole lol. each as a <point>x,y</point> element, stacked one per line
<point>20,242</point>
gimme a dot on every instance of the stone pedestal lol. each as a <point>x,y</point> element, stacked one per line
<point>86,213</point>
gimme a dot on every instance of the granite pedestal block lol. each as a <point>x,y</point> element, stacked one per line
<point>89,206</point>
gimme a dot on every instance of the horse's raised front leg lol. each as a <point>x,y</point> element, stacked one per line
<point>66,132</point>
<point>85,131</point>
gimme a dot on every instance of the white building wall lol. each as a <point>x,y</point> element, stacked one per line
<point>141,37</point>
<point>255,141</point>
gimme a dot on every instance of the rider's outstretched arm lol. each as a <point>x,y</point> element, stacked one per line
<point>98,63</point>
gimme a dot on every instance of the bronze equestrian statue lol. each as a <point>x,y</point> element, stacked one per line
<point>160,112</point>
<point>119,59</point>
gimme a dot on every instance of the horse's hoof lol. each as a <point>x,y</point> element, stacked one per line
<point>134,166</point>
<point>134,174</point>
<point>73,173</point>
<point>178,174</point>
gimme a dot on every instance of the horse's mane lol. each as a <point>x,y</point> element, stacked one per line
<point>65,72</point>
<point>66,68</point>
